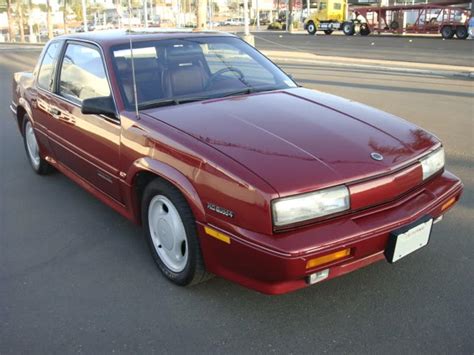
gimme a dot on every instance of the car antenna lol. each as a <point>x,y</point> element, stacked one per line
<point>134,79</point>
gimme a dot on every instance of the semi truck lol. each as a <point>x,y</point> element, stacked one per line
<point>448,18</point>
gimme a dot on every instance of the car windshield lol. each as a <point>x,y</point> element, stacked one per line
<point>171,72</point>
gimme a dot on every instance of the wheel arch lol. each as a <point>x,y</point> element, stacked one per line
<point>144,170</point>
<point>20,116</point>
<point>23,108</point>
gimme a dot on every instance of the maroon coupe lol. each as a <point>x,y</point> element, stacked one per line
<point>229,165</point>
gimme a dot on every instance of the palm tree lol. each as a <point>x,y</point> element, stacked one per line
<point>10,21</point>
<point>64,16</point>
<point>21,20</point>
<point>49,21</point>
<point>201,14</point>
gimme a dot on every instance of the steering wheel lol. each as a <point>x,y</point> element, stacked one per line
<point>219,73</point>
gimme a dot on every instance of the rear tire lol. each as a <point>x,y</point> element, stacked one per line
<point>348,28</point>
<point>364,29</point>
<point>394,25</point>
<point>33,153</point>
<point>461,32</point>
<point>170,230</point>
<point>311,28</point>
<point>447,32</point>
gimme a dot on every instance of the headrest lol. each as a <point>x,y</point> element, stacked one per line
<point>184,53</point>
<point>122,64</point>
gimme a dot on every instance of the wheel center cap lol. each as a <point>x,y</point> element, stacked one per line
<point>165,233</point>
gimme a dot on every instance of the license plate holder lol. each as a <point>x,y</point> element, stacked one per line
<point>408,239</point>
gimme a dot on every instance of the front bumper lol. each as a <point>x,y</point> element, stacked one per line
<point>277,264</point>
<point>13,109</point>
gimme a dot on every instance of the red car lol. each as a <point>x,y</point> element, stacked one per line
<point>229,165</point>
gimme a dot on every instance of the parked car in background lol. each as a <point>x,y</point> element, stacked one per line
<point>237,21</point>
<point>231,168</point>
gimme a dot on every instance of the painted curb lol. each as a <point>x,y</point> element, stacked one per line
<point>380,68</point>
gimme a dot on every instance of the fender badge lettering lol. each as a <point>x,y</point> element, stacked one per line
<point>220,210</point>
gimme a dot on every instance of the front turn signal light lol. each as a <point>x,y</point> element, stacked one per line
<point>312,263</point>
<point>448,204</point>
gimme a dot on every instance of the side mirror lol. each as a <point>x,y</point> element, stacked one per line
<point>99,106</point>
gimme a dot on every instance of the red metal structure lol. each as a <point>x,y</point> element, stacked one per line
<point>447,18</point>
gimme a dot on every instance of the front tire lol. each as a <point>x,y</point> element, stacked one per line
<point>311,28</point>
<point>170,229</point>
<point>39,165</point>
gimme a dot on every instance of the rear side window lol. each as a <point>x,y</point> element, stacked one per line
<point>83,74</point>
<point>45,75</point>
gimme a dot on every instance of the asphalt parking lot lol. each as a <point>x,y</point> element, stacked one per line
<point>75,277</point>
<point>419,49</point>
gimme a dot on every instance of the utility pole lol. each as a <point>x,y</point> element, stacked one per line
<point>84,16</point>
<point>290,16</point>
<point>246,18</point>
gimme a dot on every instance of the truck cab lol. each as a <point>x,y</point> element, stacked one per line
<point>328,17</point>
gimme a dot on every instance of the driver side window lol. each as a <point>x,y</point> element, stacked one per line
<point>82,74</point>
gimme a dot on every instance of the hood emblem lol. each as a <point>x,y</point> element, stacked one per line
<point>376,156</point>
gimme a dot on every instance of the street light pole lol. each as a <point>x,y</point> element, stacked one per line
<point>145,12</point>
<point>247,36</point>
<point>258,14</point>
<point>308,6</point>
<point>246,18</point>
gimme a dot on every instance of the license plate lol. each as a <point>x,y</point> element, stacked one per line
<point>407,239</point>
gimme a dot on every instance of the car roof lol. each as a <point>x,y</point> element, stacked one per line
<point>114,37</point>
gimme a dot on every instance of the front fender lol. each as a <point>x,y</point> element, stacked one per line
<point>26,106</point>
<point>173,176</point>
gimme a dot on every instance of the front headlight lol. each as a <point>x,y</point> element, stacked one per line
<point>433,163</point>
<point>289,210</point>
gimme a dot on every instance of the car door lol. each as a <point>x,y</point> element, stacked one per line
<point>44,86</point>
<point>89,145</point>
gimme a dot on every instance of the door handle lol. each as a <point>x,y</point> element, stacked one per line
<point>54,111</point>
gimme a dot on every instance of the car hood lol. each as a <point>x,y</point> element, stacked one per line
<point>300,140</point>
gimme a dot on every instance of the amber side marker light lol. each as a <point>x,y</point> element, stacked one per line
<point>218,235</point>
<point>312,263</point>
<point>448,204</point>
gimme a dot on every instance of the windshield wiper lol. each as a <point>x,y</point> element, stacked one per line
<point>158,103</point>
<point>249,90</point>
<point>171,102</point>
<point>245,91</point>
